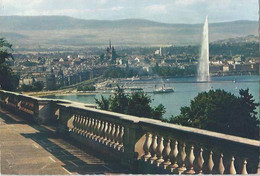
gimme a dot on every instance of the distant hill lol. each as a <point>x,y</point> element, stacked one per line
<point>246,39</point>
<point>63,31</point>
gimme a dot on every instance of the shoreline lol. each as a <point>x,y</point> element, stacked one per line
<point>151,80</point>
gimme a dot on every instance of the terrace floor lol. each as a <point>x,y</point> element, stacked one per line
<point>27,148</point>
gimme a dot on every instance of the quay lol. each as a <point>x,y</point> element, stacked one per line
<point>58,137</point>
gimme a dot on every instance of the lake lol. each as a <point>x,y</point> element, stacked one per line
<point>185,90</point>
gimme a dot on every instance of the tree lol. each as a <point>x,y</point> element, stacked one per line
<point>8,80</point>
<point>86,88</point>
<point>218,110</point>
<point>36,86</point>
<point>137,104</point>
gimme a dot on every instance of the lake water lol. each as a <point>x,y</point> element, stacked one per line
<point>185,90</point>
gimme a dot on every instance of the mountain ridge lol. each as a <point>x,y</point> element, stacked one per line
<point>69,31</point>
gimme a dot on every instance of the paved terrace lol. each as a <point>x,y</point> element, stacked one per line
<point>28,148</point>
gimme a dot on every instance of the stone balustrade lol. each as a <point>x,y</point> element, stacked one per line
<point>144,145</point>
<point>186,150</point>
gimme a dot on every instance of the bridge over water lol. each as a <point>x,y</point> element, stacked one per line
<point>45,136</point>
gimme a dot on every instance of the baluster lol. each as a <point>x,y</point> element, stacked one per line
<point>210,162</point>
<point>159,150</point>
<point>83,121</point>
<point>121,139</point>
<point>200,161</point>
<point>85,126</point>
<point>75,124</point>
<point>154,147</point>
<point>91,125</point>
<point>191,158</point>
<point>173,155</point>
<point>105,133</point>
<point>112,142</point>
<point>94,129</point>
<point>244,170</point>
<point>182,168</point>
<point>101,131</point>
<point>116,136</point>
<point>98,130</point>
<point>146,147</point>
<point>80,125</point>
<point>167,154</point>
<point>221,165</point>
<point>232,169</point>
<point>109,129</point>
<point>88,127</point>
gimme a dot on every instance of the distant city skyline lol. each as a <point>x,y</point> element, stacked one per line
<point>167,11</point>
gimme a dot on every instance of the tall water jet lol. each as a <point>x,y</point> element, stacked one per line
<point>203,69</point>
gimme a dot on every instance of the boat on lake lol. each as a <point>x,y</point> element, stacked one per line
<point>136,89</point>
<point>163,89</point>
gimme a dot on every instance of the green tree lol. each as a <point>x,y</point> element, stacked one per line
<point>218,110</point>
<point>8,80</point>
<point>137,104</point>
<point>38,86</point>
<point>26,88</point>
<point>86,88</point>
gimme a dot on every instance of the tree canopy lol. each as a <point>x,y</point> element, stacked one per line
<point>36,86</point>
<point>8,80</point>
<point>137,104</point>
<point>220,111</point>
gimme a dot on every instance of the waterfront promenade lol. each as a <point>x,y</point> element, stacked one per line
<point>28,148</point>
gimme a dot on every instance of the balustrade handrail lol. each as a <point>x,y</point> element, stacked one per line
<point>163,126</point>
<point>108,114</point>
<point>208,135</point>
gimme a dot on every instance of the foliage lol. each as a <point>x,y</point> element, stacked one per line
<point>36,86</point>
<point>117,72</point>
<point>29,64</point>
<point>103,103</point>
<point>174,71</point>
<point>8,80</point>
<point>137,104</point>
<point>218,110</point>
<point>86,88</point>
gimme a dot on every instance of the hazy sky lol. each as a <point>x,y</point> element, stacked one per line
<point>170,11</point>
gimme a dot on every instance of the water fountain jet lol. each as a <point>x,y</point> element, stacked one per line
<point>203,69</point>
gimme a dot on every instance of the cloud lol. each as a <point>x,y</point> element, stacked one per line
<point>70,12</point>
<point>171,11</point>
<point>188,2</point>
<point>116,8</point>
<point>156,8</point>
<point>102,1</point>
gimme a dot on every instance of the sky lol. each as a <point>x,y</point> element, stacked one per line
<point>168,11</point>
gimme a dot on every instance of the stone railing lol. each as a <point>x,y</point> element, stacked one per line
<point>41,110</point>
<point>144,145</point>
<point>188,150</point>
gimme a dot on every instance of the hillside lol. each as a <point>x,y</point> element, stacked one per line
<point>62,31</point>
